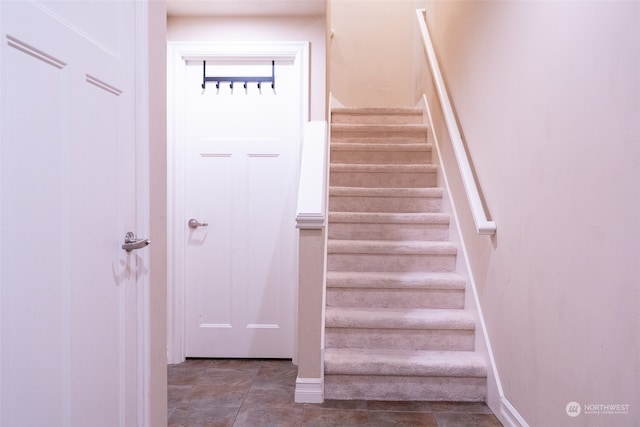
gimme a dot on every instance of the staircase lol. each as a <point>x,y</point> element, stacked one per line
<point>396,325</point>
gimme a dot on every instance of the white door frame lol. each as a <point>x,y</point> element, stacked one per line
<point>177,54</point>
<point>146,406</point>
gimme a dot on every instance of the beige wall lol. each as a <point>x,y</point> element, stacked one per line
<point>372,52</point>
<point>157,83</point>
<point>548,97</point>
<point>264,29</point>
<point>310,302</point>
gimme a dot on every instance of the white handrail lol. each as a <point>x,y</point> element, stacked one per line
<point>483,225</point>
<point>311,194</point>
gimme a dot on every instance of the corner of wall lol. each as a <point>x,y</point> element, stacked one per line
<point>334,103</point>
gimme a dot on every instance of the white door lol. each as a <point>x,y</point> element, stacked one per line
<point>241,174</point>
<point>70,336</point>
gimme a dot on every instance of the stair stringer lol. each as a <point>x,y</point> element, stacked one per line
<point>463,269</point>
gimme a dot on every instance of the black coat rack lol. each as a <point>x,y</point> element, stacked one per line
<point>244,80</point>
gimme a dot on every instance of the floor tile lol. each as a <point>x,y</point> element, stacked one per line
<point>175,395</point>
<point>269,398</point>
<point>207,416</point>
<point>321,417</point>
<point>246,364</point>
<point>269,417</point>
<point>401,419</point>
<point>272,377</point>
<point>466,407</point>
<point>417,406</point>
<point>183,374</point>
<point>341,404</point>
<point>466,420</point>
<point>217,377</point>
<point>216,396</point>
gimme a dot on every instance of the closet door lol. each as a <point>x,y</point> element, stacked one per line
<point>241,173</point>
<point>70,331</point>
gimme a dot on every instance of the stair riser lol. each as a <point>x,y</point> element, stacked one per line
<point>400,339</point>
<point>381,140</point>
<point>395,298</point>
<point>391,263</point>
<point>348,231</point>
<point>385,204</point>
<point>383,180</point>
<point>362,387</point>
<point>391,136</point>
<point>377,119</point>
<point>380,157</point>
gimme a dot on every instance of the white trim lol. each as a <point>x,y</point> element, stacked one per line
<point>311,191</point>
<point>309,390</point>
<point>483,226</point>
<point>509,416</point>
<point>177,54</point>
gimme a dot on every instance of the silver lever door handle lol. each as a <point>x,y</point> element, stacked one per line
<point>131,242</point>
<point>194,223</point>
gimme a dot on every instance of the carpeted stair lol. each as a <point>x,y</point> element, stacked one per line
<point>396,325</point>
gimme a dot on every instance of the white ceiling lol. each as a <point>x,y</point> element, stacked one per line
<point>245,7</point>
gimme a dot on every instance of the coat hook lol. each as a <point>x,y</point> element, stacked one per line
<point>204,75</point>
<point>244,80</point>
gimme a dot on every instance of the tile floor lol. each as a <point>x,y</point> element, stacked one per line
<point>257,393</point>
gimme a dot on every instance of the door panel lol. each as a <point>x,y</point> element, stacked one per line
<point>241,152</point>
<point>69,332</point>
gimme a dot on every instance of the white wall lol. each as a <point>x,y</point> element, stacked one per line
<point>548,97</point>
<point>264,29</point>
<point>372,52</point>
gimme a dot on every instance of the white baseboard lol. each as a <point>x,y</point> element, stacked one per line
<point>509,416</point>
<point>309,390</point>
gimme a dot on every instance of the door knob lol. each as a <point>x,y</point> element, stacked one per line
<point>194,223</point>
<point>131,242</point>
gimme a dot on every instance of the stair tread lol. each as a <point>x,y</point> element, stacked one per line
<point>341,361</point>
<point>360,146</point>
<point>382,127</point>
<point>367,279</point>
<point>377,110</point>
<point>385,192</point>
<point>388,218</point>
<point>383,168</point>
<point>411,247</point>
<point>396,318</point>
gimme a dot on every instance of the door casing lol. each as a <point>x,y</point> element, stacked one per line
<point>177,54</point>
